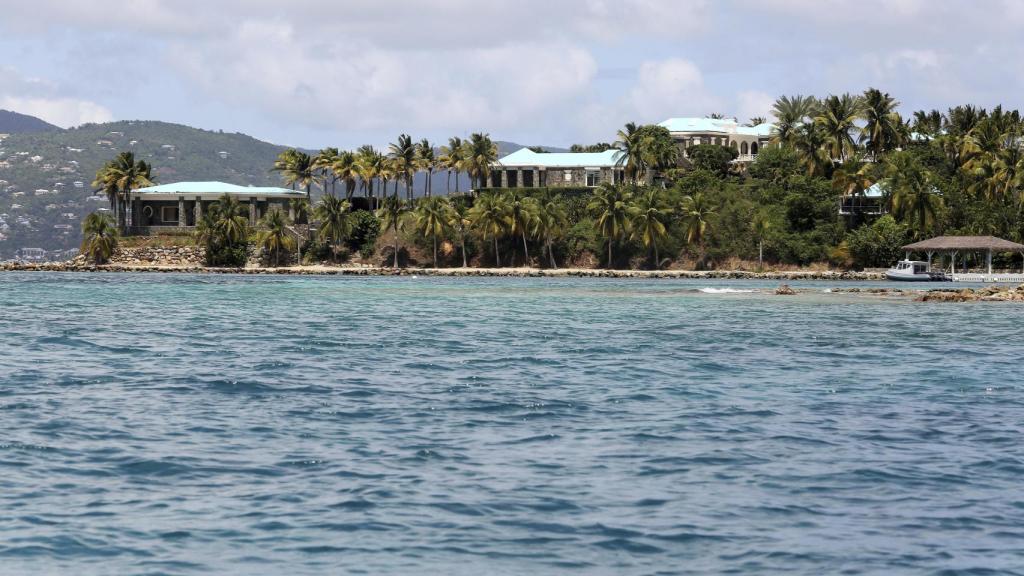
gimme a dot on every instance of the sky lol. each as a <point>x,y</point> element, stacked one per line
<point>315,73</point>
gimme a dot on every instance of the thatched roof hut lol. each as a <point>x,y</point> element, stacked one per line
<point>954,244</point>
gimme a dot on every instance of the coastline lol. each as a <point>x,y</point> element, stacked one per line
<point>450,272</point>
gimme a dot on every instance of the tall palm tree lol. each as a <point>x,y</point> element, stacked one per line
<point>761,226</point>
<point>432,216</point>
<point>757,121</point>
<point>453,160</point>
<point>650,213</point>
<point>882,131</point>
<point>297,169</point>
<point>459,221</point>
<point>391,214</point>
<point>854,176</point>
<point>522,211</point>
<point>335,226</point>
<point>231,223</point>
<point>480,154</point>
<point>403,151</point>
<point>120,176</point>
<point>808,141</point>
<point>273,236</point>
<point>426,161</point>
<point>837,119</point>
<point>612,210</point>
<point>369,163</point>
<point>490,215</point>
<point>790,113</point>
<point>99,238</point>
<point>913,196</point>
<point>323,165</point>
<point>927,124</point>
<point>550,224</point>
<point>631,152</point>
<point>346,168</point>
<point>695,211</point>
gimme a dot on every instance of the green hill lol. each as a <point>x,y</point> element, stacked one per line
<point>45,177</point>
<point>14,123</point>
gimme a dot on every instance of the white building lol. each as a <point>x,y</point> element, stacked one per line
<point>747,141</point>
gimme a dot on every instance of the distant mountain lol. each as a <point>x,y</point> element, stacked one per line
<point>14,123</point>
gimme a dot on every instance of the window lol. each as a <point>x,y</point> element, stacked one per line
<point>567,175</point>
<point>169,214</point>
<point>593,177</point>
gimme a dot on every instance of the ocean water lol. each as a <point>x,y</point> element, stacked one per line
<point>176,424</point>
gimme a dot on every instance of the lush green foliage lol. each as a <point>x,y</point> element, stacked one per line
<point>99,238</point>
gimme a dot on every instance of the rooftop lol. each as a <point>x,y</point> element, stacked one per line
<point>218,188</point>
<point>721,126</point>
<point>949,243</point>
<point>527,157</point>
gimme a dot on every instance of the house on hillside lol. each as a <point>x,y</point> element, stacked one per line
<point>525,168</point>
<point>179,205</point>
<point>747,141</point>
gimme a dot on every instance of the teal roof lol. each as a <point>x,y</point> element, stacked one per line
<point>721,126</point>
<point>874,191</point>
<point>217,188</point>
<point>527,157</point>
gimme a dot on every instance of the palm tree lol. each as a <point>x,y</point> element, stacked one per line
<point>761,226</point>
<point>790,113</point>
<point>882,131</point>
<point>809,143</point>
<point>346,168</point>
<point>323,164</point>
<point>120,176</point>
<point>611,208</point>
<point>757,121</point>
<point>426,160</point>
<point>631,151</point>
<point>333,216</point>
<point>522,210</point>
<point>649,216</point>
<point>299,209</point>
<point>231,224</point>
<point>837,119</point>
<point>391,214</point>
<point>99,238</point>
<point>368,165</point>
<point>432,218</point>
<point>913,196</point>
<point>274,236</point>
<point>453,160</point>
<point>695,211</point>
<point>854,176</point>
<point>490,215</point>
<point>403,151</point>
<point>297,170</point>
<point>480,153</point>
<point>550,224</point>
<point>458,220</point>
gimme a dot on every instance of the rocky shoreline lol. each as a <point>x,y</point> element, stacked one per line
<point>77,266</point>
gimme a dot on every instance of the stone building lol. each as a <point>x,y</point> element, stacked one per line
<point>747,141</point>
<point>525,168</point>
<point>178,206</point>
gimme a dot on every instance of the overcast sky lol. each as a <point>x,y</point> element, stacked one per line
<point>314,73</point>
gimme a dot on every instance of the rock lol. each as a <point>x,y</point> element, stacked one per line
<point>785,290</point>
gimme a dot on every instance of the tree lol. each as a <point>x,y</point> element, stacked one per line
<point>403,152</point>
<point>453,160</point>
<point>490,216</point>
<point>118,178</point>
<point>522,210</point>
<point>630,148</point>
<point>333,216</point>
<point>368,165</point>
<point>550,224</point>
<point>913,197</point>
<point>790,113</point>
<point>809,144</point>
<point>297,170</point>
<point>694,212</point>
<point>346,168</point>
<point>391,215</point>
<point>223,230</point>
<point>712,157</point>
<point>99,238</point>
<point>480,154</point>
<point>598,147</point>
<point>459,221</point>
<point>426,160</point>
<point>230,220</point>
<point>612,212</point>
<point>650,213</point>
<point>432,216</point>
<point>927,124</point>
<point>323,164</point>
<point>882,131</point>
<point>854,176</point>
<point>757,121</point>
<point>273,237</point>
<point>761,226</point>
<point>836,118</point>
<point>643,148</point>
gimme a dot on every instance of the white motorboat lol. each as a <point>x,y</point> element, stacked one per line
<point>914,271</point>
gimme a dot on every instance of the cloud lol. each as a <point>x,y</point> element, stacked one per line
<point>45,100</point>
<point>751,103</point>
<point>672,87</point>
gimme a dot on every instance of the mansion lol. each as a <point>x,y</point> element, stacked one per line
<point>178,206</point>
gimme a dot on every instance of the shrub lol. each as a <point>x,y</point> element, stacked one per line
<point>878,244</point>
<point>231,256</point>
<point>365,230</point>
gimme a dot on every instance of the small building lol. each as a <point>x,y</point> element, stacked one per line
<point>525,168</point>
<point>181,204</point>
<point>871,202</point>
<point>747,141</point>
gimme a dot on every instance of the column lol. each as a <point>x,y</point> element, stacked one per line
<point>181,212</point>
<point>504,178</point>
<point>536,178</point>
<point>519,178</point>
<point>252,211</point>
<point>988,260</point>
<point>952,263</point>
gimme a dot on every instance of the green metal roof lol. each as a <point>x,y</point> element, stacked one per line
<point>218,188</point>
<point>527,157</point>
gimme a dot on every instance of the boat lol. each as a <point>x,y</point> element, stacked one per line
<point>914,271</point>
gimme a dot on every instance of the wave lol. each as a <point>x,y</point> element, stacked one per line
<point>725,290</point>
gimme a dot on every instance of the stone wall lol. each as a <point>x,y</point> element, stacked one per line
<point>159,256</point>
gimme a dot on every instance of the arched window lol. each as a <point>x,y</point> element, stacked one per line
<point>743,148</point>
<point>753,148</point>
<point>733,145</point>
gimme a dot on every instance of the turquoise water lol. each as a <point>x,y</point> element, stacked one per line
<point>174,424</point>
